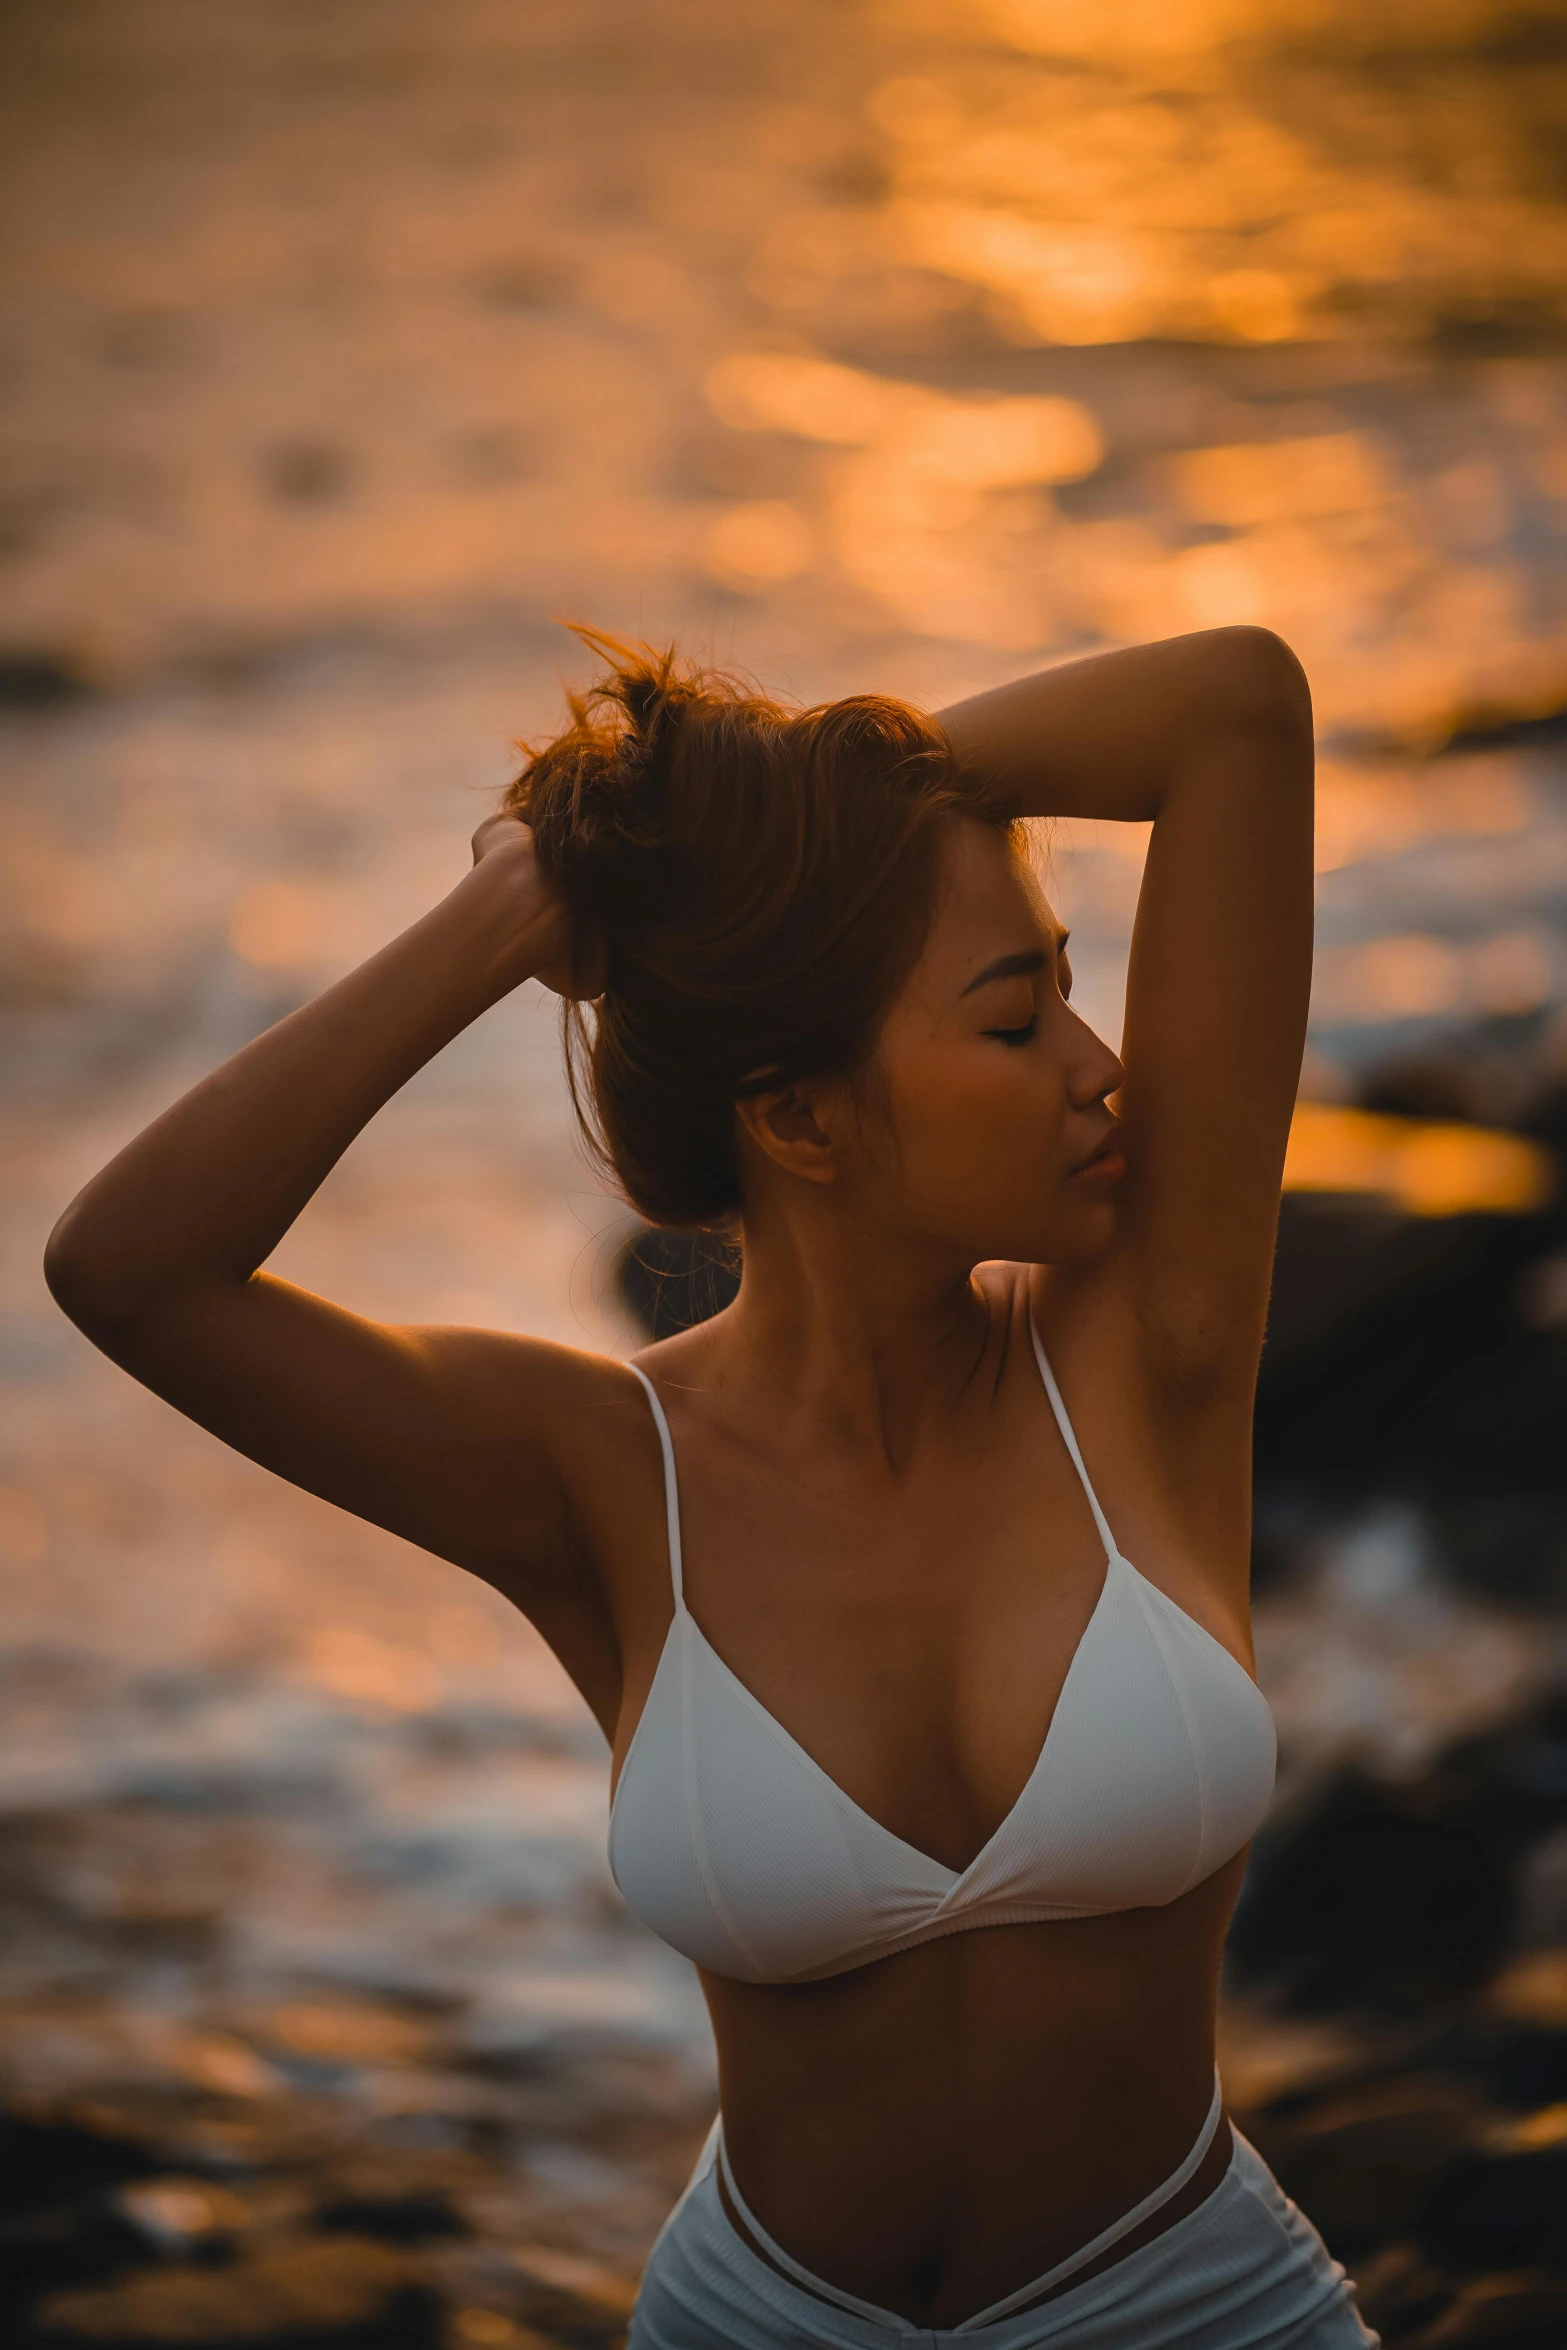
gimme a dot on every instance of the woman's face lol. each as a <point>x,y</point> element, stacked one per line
<point>991,1129</point>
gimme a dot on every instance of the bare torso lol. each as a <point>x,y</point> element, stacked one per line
<point>931,2130</point>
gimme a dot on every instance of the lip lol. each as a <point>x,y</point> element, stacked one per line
<point>1107,1164</point>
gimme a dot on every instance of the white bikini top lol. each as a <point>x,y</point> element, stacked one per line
<point>736,1848</point>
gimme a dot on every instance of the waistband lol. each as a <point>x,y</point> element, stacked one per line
<point>1181,2176</point>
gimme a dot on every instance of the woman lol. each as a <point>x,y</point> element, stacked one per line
<point>947,1798</point>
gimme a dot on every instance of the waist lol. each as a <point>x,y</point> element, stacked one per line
<point>1201,2169</point>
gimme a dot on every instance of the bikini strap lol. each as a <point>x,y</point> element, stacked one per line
<point>816,2286</point>
<point>671,1490</point>
<point>1165,2193</point>
<point>1069,1439</point>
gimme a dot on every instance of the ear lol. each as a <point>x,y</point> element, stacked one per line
<point>794,1126</point>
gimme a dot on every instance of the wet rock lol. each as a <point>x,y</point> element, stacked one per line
<point>1364,2163</point>
<point>1367,1895</point>
<point>1503,2313</point>
<point>341,2292</point>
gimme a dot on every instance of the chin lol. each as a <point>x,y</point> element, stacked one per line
<point>1078,1238</point>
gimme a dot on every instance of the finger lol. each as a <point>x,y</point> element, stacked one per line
<point>501,825</point>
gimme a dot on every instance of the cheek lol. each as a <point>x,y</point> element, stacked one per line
<point>984,1113</point>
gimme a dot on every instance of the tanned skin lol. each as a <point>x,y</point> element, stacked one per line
<point>884,1536</point>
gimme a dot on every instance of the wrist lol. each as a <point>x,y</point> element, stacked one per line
<point>509,921</point>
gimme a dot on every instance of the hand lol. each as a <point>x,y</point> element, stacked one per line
<point>503,845</point>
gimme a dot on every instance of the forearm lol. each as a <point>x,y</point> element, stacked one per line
<point>207,1191</point>
<point>1113,735</point>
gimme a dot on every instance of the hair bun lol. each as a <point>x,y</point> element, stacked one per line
<point>598,797</point>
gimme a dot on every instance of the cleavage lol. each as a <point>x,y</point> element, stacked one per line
<point>917,1657</point>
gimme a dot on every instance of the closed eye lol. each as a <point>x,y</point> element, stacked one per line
<point>1016,1036</point>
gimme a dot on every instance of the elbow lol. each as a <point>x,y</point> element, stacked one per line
<point>80,1284</point>
<point>1262,685</point>
<point>107,1277</point>
<point>66,1276</point>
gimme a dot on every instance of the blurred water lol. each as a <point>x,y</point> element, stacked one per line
<point>904,345</point>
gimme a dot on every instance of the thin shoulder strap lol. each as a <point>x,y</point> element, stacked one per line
<point>1069,1439</point>
<point>672,1490</point>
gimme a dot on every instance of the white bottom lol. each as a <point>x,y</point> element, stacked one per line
<point>1244,2271</point>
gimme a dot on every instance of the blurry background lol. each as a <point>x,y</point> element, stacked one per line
<point>865,343</point>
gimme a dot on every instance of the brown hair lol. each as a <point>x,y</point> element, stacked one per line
<point>754,883</point>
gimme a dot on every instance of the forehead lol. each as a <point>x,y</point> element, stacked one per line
<point>991,903</point>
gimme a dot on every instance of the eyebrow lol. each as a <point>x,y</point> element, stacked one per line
<point>1016,966</point>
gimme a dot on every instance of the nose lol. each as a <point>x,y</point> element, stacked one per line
<point>1096,1070</point>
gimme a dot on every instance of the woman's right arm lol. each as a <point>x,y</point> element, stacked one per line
<point>449,1437</point>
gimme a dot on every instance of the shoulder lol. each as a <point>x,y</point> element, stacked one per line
<point>550,1430</point>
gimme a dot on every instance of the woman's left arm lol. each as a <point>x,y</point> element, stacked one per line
<point>1210,738</point>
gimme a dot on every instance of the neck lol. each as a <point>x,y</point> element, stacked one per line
<point>868,1338</point>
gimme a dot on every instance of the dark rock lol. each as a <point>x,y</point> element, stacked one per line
<point>1491,730</point>
<point>1498,2210</point>
<point>47,2163</point>
<point>399,2219</point>
<point>1505,1546</point>
<point>1503,2313</point>
<point>1519,1772</point>
<point>1542,1895</point>
<point>1399,1358</point>
<point>77,2243</point>
<point>669,1281</point>
<point>1530,2069</point>
<point>1364,2163</point>
<point>1366,1895</point>
<point>1400,2293</point>
<point>1520,2066</point>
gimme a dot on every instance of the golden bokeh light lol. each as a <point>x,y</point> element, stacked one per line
<point>359,1665</point>
<point>1425,1169</point>
<point>756,545</point>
